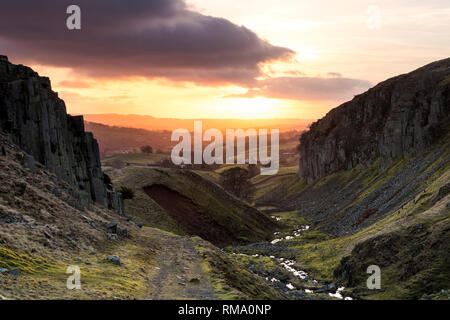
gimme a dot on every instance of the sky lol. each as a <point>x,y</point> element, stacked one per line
<point>222,58</point>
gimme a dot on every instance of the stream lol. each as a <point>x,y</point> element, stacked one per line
<point>288,265</point>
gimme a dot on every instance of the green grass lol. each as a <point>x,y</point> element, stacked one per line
<point>411,263</point>
<point>286,183</point>
<point>321,258</point>
<point>290,219</point>
<point>295,185</point>
<point>45,277</point>
<point>227,211</point>
<point>14,259</point>
<point>229,166</point>
<point>230,278</point>
<point>126,280</point>
<point>150,214</point>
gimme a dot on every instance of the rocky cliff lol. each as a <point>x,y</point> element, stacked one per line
<point>37,121</point>
<point>402,115</point>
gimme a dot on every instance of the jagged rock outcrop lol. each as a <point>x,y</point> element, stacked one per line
<point>405,114</point>
<point>37,121</point>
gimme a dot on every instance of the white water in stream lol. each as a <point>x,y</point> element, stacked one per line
<point>288,266</point>
<point>295,234</point>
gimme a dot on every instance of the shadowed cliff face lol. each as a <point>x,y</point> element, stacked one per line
<point>37,121</point>
<point>402,115</point>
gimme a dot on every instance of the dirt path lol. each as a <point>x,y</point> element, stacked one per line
<point>180,275</point>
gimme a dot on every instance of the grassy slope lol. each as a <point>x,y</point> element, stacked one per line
<point>139,277</point>
<point>143,208</point>
<point>243,222</point>
<point>320,254</point>
<point>229,277</point>
<point>273,191</point>
<point>41,235</point>
<point>321,258</point>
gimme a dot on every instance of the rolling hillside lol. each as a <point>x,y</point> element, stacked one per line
<point>182,201</point>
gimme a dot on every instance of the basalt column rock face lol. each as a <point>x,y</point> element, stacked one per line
<point>402,115</point>
<point>37,121</point>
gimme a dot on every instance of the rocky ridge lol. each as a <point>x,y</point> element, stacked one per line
<point>36,120</point>
<point>402,115</point>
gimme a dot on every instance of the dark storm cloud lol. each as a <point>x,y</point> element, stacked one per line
<point>150,38</point>
<point>308,88</point>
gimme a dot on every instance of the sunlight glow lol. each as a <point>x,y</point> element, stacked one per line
<point>247,108</point>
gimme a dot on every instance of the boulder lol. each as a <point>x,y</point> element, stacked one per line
<point>14,272</point>
<point>114,260</point>
<point>112,236</point>
<point>28,162</point>
<point>112,226</point>
<point>123,232</point>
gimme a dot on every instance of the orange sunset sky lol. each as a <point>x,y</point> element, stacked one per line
<point>224,59</point>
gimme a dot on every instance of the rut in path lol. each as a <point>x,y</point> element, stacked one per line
<point>180,273</point>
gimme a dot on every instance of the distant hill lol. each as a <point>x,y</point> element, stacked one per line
<point>113,140</point>
<point>158,124</point>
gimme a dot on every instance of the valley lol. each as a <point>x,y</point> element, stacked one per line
<point>369,187</point>
<point>313,254</point>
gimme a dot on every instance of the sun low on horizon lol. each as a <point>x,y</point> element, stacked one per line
<point>165,99</point>
<point>252,60</point>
